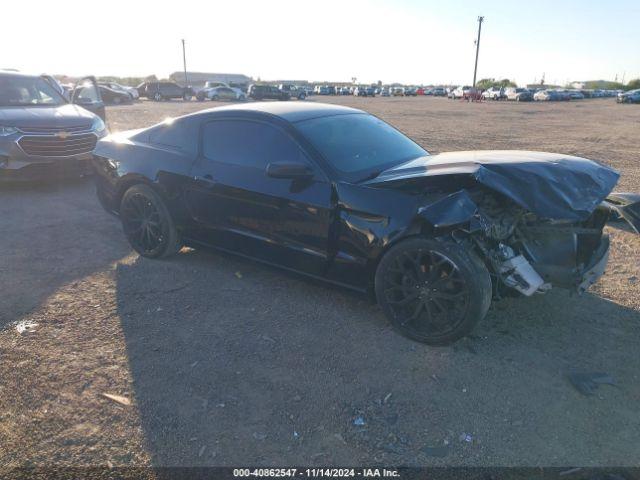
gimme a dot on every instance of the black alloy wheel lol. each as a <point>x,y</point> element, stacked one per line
<point>432,292</point>
<point>147,223</point>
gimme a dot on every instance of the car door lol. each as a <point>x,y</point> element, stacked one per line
<point>227,94</point>
<point>239,205</point>
<point>87,95</point>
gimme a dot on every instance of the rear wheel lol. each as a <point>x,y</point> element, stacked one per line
<point>432,292</point>
<point>147,223</point>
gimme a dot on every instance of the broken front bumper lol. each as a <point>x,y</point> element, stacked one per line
<point>593,272</point>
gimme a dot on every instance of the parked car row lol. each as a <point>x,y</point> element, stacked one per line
<point>371,91</point>
<point>525,95</point>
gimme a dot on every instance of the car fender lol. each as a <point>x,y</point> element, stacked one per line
<point>455,209</point>
<point>369,221</point>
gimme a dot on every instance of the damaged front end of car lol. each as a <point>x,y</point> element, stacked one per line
<point>524,252</point>
<point>537,223</point>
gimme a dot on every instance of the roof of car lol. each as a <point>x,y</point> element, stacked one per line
<point>13,73</point>
<point>294,111</point>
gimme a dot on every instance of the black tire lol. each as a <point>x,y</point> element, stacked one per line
<point>147,223</point>
<point>302,96</point>
<point>200,97</point>
<point>432,292</point>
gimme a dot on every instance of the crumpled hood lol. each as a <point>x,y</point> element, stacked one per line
<point>68,115</point>
<point>550,185</point>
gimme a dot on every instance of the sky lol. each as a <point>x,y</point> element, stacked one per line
<point>406,41</point>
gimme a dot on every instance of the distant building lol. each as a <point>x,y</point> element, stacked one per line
<point>198,79</point>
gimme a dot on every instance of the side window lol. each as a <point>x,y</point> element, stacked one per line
<point>248,144</point>
<point>176,135</point>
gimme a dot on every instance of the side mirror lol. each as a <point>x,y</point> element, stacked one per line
<point>292,171</point>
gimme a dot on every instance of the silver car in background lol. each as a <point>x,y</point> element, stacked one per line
<point>547,95</point>
<point>42,134</point>
<point>518,94</point>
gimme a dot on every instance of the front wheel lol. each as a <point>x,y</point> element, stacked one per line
<point>147,223</point>
<point>433,292</point>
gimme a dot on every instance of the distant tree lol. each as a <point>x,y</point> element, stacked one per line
<point>492,82</point>
<point>633,84</point>
<point>602,84</point>
<point>151,78</point>
<point>485,83</point>
<point>505,82</point>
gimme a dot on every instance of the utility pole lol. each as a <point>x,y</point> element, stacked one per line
<point>184,63</point>
<point>475,69</point>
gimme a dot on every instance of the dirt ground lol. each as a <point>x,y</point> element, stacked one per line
<point>227,362</point>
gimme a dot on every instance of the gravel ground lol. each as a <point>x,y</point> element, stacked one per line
<point>226,362</point>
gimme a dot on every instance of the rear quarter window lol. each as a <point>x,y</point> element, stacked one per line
<point>178,135</point>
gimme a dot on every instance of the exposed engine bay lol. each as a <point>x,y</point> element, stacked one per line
<point>523,251</point>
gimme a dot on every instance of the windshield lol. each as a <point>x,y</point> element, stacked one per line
<point>16,91</point>
<point>359,146</point>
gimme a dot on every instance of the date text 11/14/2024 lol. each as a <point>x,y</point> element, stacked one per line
<point>316,472</point>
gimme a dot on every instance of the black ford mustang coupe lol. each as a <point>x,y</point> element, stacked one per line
<point>338,194</point>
